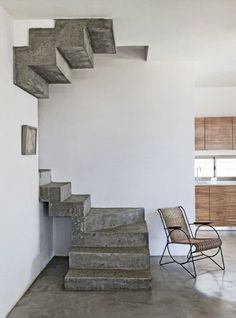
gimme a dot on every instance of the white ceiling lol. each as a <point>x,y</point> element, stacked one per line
<point>199,30</point>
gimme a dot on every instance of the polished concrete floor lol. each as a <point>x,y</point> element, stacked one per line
<point>174,293</point>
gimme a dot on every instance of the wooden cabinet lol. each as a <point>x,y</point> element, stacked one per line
<point>202,203</point>
<point>200,133</point>
<point>230,205</point>
<point>218,133</point>
<point>215,133</point>
<point>217,204</point>
<point>234,132</point>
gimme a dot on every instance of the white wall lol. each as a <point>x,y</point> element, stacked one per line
<point>123,132</point>
<point>25,231</point>
<point>215,101</point>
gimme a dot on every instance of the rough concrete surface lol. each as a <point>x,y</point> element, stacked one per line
<point>128,235</point>
<point>122,246</point>
<point>132,258</point>
<point>52,52</point>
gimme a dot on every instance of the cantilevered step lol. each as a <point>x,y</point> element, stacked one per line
<point>132,258</point>
<point>103,218</point>
<point>45,176</point>
<point>25,77</point>
<point>74,204</point>
<point>78,39</point>
<point>84,279</point>
<point>133,235</point>
<point>45,58</point>
<point>55,191</point>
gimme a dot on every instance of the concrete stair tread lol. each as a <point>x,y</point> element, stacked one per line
<point>55,192</point>
<point>77,198</point>
<point>100,32</point>
<point>106,218</point>
<point>129,228</point>
<point>99,211</point>
<point>55,184</point>
<point>110,250</point>
<point>45,58</point>
<point>45,176</point>
<point>25,77</point>
<point>125,235</point>
<point>108,273</point>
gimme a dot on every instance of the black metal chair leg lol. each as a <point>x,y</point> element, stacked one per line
<point>160,262</point>
<point>222,259</point>
<point>163,253</point>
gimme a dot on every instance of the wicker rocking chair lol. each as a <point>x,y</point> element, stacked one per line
<point>178,231</point>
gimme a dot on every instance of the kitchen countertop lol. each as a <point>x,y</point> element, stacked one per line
<point>215,183</point>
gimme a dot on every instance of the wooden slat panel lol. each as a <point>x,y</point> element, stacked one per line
<point>217,205</point>
<point>199,133</point>
<point>230,205</point>
<point>218,133</point>
<point>202,203</point>
<point>234,132</point>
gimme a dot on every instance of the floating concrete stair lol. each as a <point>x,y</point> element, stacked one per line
<point>109,245</point>
<point>25,77</point>
<point>55,192</point>
<point>71,205</point>
<point>52,52</point>
<point>45,177</point>
<point>135,235</point>
<point>84,279</point>
<point>72,40</point>
<point>46,60</point>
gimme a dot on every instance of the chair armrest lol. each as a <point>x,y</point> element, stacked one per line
<point>174,227</point>
<point>203,223</point>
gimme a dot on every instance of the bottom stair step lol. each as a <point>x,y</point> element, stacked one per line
<point>83,279</point>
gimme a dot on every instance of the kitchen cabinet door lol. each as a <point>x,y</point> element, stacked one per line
<point>218,133</point>
<point>234,132</point>
<point>202,203</point>
<point>200,133</point>
<point>217,205</point>
<point>230,206</point>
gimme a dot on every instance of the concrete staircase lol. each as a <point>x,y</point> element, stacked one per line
<point>109,245</point>
<point>53,52</point>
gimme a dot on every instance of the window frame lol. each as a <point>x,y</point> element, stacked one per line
<point>215,166</point>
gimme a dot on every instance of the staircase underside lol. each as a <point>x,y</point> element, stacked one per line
<point>53,52</point>
<point>109,245</point>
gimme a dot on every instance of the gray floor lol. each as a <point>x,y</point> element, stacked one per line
<point>174,294</point>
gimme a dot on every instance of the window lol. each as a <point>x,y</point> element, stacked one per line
<point>220,167</point>
<point>204,167</point>
<point>225,167</point>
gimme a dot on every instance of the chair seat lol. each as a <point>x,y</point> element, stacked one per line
<point>203,244</point>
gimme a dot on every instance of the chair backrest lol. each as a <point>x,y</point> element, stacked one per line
<point>175,217</point>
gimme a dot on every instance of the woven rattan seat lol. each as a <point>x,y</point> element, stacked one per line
<point>203,244</point>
